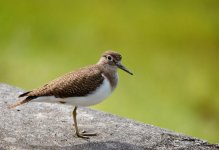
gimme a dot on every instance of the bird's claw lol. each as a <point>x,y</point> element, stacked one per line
<point>85,135</point>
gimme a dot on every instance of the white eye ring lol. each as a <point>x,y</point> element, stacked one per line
<point>109,58</point>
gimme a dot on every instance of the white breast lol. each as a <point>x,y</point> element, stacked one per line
<point>102,92</point>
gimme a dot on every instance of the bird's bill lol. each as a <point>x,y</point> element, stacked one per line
<point>119,65</point>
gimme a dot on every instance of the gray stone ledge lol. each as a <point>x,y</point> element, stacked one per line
<point>49,126</point>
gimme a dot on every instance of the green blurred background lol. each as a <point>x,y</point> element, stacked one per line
<point>171,46</point>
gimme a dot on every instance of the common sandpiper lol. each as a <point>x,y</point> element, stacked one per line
<point>85,87</point>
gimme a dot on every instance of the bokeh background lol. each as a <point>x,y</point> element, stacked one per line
<point>171,46</point>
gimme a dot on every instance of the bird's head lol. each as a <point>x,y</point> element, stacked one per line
<point>113,59</point>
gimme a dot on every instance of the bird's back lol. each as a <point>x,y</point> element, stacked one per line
<point>74,84</point>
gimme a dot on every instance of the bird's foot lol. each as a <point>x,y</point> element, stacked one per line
<point>85,135</point>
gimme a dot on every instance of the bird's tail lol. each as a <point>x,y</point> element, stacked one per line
<point>27,99</point>
<point>24,94</point>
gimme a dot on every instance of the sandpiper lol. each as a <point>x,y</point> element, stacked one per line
<point>84,87</point>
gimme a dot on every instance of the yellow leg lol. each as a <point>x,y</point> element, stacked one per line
<point>83,134</point>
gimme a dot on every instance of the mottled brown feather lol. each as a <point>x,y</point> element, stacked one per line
<point>73,84</point>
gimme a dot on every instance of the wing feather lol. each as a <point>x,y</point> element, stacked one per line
<point>73,84</point>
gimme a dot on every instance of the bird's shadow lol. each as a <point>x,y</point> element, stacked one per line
<point>108,145</point>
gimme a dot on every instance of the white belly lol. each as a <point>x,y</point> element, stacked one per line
<point>96,97</point>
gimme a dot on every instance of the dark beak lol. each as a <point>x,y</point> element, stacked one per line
<point>119,65</point>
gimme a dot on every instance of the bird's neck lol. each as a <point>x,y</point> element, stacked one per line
<point>110,73</point>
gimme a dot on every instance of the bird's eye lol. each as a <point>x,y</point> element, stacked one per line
<point>109,58</point>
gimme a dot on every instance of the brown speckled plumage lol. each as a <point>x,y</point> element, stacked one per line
<point>73,84</point>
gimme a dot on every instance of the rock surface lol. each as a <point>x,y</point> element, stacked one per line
<point>49,126</point>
